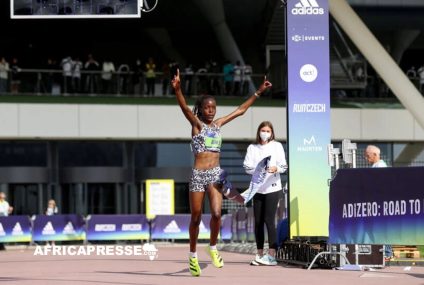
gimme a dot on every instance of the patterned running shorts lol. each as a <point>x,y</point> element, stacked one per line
<point>200,179</point>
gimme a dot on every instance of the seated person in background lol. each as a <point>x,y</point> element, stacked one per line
<point>372,155</point>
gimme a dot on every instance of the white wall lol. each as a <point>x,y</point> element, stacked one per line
<point>145,122</point>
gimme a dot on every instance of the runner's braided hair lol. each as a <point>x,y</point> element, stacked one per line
<point>197,108</point>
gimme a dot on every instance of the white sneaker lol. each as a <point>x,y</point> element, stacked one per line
<point>267,260</point>
<point>255,261</point>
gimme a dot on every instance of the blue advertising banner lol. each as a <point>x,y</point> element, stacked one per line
<point>234,232</point>
<point>176,227</point>
<point>377,206</point>
<point>241,226</point>
<point>15,229</point>
<point>308,109</point>
<point>250,229</point>
<point>226,224</point>
<point>58,228</point>
<point>117,227</point>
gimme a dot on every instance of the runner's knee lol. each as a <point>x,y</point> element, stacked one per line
<point>216,215</point>
<point>195,219</point>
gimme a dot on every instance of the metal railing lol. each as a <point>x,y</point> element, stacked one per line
<point>50,82</point>
<point>131,84</point>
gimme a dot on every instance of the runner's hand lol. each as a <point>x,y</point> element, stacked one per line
<point>176,82</point>
<point>264,86</point>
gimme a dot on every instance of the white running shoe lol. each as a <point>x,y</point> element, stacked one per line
<point>255,261</point>
<point>268,260</point>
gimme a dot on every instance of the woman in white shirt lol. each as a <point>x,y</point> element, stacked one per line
<point>107,74</point>
<point>51,208</point>
<point>266,199</point>
<point>5,208</point>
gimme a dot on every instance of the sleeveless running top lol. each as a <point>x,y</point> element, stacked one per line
<point>208,139</point>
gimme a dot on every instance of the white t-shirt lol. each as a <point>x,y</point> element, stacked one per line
<point>67,66</point>
<point>4,70</point>
<point>4,209</point>
<point>108,69</point>
<point>380,163</point>
<point>76,69</point>
<point>51,211</point>
<point>420,72</point>
<point>237,73</point>
<point>256,152</point>
<point>247,71</point>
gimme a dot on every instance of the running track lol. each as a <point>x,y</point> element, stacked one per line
<point>20,266</point>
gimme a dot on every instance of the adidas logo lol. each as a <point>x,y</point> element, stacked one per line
<point>2,232</point>
<point>48,229</point>
<point>17,230</point>
<point>202,228</point>
<point>307,7</point>
<point>68,229</point>
<point>172,227</point>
